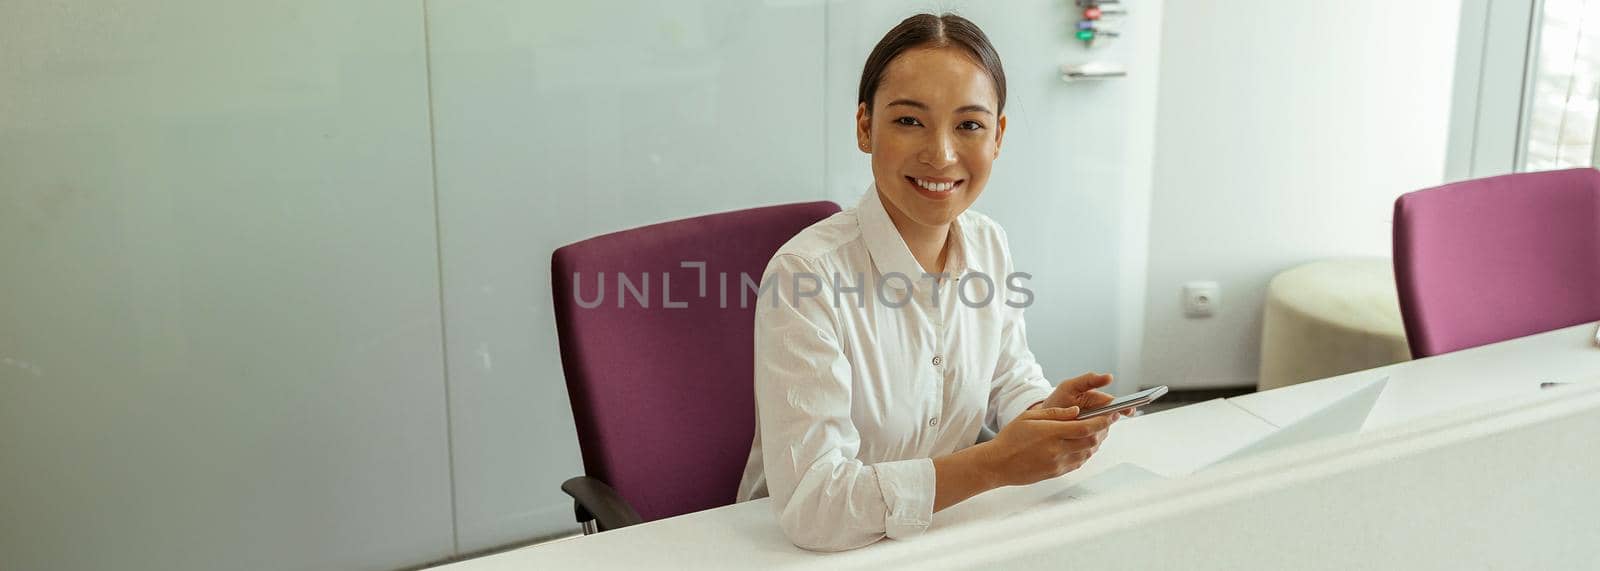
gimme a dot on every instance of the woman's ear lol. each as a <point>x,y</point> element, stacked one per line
<point>863,128</point>
<point>999,134</point>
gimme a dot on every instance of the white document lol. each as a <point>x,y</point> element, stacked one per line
<point>1210,425</point>
<point>1119,476</point>
<point>1155,446</point>
<point>1343,416</point>
<point>1178,441</point>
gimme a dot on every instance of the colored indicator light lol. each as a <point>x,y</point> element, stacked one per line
<point>1086,34</point>
<point>1085,24</point>
<point>1092,13</point>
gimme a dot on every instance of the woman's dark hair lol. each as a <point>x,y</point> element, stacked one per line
<point>928,30</point>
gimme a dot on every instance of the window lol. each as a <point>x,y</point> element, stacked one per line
<point>1565,90</point>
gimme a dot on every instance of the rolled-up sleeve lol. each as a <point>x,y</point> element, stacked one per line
<point>825,499</point>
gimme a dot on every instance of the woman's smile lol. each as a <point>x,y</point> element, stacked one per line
<point>935,188</point>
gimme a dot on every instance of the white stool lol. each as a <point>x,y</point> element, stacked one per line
<point>1328,318</point>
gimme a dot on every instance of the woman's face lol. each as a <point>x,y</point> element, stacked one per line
<point>933,133</point>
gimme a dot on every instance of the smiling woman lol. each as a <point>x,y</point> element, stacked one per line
<point>868,412</point>
<point>930,112</point>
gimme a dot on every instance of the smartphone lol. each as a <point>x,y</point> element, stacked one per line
<point>1126,402</point>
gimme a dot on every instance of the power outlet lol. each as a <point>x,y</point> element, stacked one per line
<point>1202,299</point>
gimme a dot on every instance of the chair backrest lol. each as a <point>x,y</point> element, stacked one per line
<point>663,396</point>
<point>1487,260</point>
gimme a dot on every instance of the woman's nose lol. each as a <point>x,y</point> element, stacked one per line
<point>940,152</point>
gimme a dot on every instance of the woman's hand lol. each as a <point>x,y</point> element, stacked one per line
<point>1042,444</point>
<point>1080,392</point>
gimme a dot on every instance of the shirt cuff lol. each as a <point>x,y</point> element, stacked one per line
<point>1020,404</point>
<point>908,488</point>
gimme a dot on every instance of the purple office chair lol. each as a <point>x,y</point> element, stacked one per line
<point>1487,260</point>
<point>661,370</point>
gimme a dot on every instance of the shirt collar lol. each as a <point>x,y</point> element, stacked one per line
<point>889,251</point>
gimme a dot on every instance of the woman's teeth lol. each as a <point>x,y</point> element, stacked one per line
<point>936,186</point>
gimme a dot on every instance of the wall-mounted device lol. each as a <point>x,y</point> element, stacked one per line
<point>1097,23</point>
<point>1093,26</point>
<point>1202,298</point>
<point>1092,70</point>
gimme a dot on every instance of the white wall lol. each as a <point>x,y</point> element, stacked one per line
<point>558,122</point>
<point>220,332</point>
<point>1285,132</point>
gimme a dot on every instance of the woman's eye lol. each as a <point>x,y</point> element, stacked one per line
<point>908,121</point>
<point>970,125</point>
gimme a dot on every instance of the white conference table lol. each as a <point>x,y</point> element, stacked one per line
<point>1172,443</point>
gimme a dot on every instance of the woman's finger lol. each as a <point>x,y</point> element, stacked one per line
<point>1094,399</point>
<point>1087,382</point>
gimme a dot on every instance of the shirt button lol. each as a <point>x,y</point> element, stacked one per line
<point>933,421</point>
<point>937,360</point>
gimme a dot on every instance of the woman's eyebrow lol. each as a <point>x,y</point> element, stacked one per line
<point>973,108</point>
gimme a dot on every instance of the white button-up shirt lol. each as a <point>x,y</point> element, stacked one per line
<point>857,390</point>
